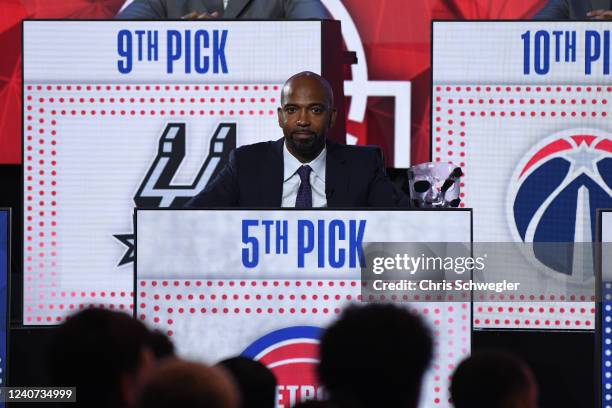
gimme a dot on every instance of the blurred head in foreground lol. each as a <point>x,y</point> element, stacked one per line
<point>493,379</point>
<point>161,345</point>
<point>103,354</point>
<point>256,382</point>
<point>184,384</point>
<point>375,356</point>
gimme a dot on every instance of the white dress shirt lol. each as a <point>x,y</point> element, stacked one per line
<point>291,180</point>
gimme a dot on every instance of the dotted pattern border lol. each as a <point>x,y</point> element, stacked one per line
<point>450,142</point>
<point>46,106</point>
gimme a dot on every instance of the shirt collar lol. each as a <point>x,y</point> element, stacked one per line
<point>291,164</point>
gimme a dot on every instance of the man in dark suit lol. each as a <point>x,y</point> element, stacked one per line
<point>576,10</point>
<point>303,169</point>
<point>204,9</point>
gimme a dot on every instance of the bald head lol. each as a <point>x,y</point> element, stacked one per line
<point>177,383</point>
<point>306,114</point>
<point>310,80</point>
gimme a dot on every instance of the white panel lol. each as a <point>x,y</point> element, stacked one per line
<point>77,51</point>
<point>92,135</point>
<point>188,244</point>
<point>220,309</point>
<point>492,52</point>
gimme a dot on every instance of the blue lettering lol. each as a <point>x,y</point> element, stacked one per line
<point>268,226</point>
<point>187,51</point>
<point>592,50</point>
<point>606,67</point>
<point>202,40</point>
<point>219,51</point>
<point>526,36</point>
<point>321,243</point>
<point>173,49</point>
<point>152,41</point>
<point>356,243</point>
<point>124,49</point>
<point>250,259</point>
<point>570,46</point>
<point>139,35</point>
<point>541,46</point>
<point>305,240</point>
<point>336,232</point>
<point>281,237</point>
<point>557,35</point>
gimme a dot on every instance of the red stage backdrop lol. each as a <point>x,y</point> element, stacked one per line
<point>395,36</point>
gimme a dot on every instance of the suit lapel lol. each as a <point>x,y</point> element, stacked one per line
<point>337,176</point>
<point>275,174</point>
<point>234,8</point>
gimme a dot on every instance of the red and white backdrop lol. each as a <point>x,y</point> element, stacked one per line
<point>392,41</point>
<point>110,127</point>
<point>532,117</point>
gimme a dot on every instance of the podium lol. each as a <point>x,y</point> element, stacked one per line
<point>265,283</point>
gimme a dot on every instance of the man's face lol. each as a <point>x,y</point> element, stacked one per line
<point>305,116</point>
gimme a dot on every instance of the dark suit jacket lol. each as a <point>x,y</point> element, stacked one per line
<point>253,177</point>
<point>570,9</point>
<point>253,9</point>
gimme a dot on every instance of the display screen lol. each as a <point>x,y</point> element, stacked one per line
<point>523,109</point>
<point>114,120</point>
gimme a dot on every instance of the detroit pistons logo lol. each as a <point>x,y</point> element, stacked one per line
<point>292,355</point>
<point>554,195</point>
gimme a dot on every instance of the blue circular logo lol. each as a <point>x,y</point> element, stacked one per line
<point>555,192</point>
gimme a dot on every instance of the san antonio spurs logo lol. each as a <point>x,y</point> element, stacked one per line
<point>554,195</point>
<point>157,189</point>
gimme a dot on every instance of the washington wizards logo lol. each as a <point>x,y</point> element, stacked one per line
<point>292,355</point>
<point>157,189</point>
<point>555,192</point>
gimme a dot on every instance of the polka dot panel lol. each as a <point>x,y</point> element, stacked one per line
<point>459,110</point>
<point>535,315</point>
<point>454,106</point>
<point>182,307</point>
<point>49,109</point>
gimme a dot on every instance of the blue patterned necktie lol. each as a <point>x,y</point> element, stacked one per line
<point>304,195</point>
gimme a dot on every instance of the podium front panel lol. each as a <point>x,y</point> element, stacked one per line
<point>198,282</point>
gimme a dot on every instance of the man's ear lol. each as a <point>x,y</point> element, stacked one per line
<point>279,112</point>
<point>332,118</point>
